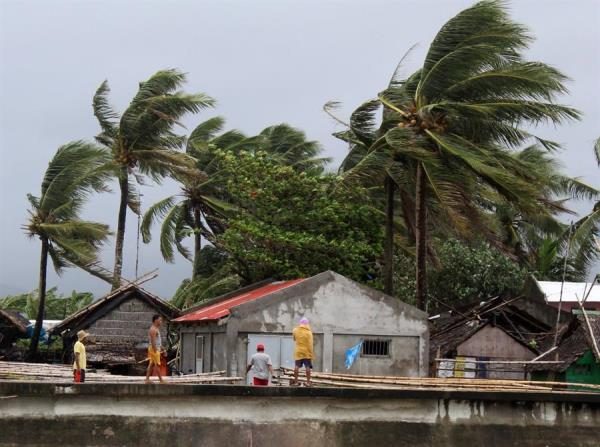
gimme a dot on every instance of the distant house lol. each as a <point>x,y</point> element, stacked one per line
<point>222,334</point>
<point>579,360</point>
<point>550,293</point>
<point>118,324</point>
<point>472,339</point>
<point>13,325</point>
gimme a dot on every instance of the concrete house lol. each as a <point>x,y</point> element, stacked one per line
<point>118,324</point>
<point>222,334</point>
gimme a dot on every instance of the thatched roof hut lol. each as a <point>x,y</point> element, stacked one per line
<point>118,323</point>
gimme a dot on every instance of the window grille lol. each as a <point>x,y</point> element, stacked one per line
<point>378,348</point>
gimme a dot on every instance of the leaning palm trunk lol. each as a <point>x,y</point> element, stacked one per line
<point>35,338</point>
<point>120,236</point>
<point>421,239</point>
<point>197,244</point>
<point>388,250</point>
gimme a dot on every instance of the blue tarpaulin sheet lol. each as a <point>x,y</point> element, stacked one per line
<point>352,353</point>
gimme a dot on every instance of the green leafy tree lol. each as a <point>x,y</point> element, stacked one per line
<point>202,207</point>
<point>449,129</point>
<point>142,142</point>
<point>466,273</point>
<point>292,224</point>
<point>74,172</point>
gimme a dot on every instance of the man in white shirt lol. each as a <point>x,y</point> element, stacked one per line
<point>261,366</point>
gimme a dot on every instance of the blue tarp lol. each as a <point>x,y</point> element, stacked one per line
<point>352,353</point>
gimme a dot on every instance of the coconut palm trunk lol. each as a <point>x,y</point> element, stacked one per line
<point>197,243</point>
<point>35,339</point>
<point>120,236</point>
<point>421,239</point>
<point>388,250</point>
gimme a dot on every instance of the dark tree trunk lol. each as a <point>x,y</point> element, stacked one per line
<point>421,239</point>
<point>35,338</point>
<point>388,247</point>
<point>197,243</point>
<point>120,237</point>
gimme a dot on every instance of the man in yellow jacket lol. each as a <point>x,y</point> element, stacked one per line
<point>303,350</point>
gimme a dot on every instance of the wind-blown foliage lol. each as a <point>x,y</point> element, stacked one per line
<point>467,272</point>
<point>202,207</point>
<point>292,224</point>
<point>585,239</point>
<point>58,306</point>
<point>142,141</point>
<point>75,171</point>
<point>197,210</point>
<point>449,130</point>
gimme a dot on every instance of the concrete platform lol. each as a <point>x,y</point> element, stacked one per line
<point>228,415</point>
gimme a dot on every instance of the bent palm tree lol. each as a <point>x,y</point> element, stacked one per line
<point>449,127</point>
<point>202,199</point>
<point>290,147</point>
<point>73,173</point>
<point>586,231</point>
<point>142,142</point>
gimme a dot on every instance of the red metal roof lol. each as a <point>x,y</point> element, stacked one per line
<point>222,309</point>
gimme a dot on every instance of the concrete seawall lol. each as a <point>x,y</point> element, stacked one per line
<point>220,415</point>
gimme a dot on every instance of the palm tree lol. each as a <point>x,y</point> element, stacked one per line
<point>450,127</point>
<point>74,172</point>
<point>196,210</point>
<point>585,238</point>
<point>142,142</point>
<point>290,147</point>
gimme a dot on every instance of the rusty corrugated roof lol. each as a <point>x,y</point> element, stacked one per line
<point>212,312</point>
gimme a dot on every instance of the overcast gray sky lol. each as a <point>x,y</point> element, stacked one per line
<point>266,62</point>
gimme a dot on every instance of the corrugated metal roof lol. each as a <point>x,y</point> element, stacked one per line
<point>571,291</point>
<point>223,308</point>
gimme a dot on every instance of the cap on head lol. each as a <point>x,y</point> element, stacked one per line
<point>303,320</point>
<point>81,335</point>
<point>260,347</point>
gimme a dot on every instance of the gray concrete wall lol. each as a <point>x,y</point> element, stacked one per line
<point>400,361</point>
<point>127,323</point>
<point>210,416</point>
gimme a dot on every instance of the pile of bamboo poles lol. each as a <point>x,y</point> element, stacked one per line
<point>18,371</point>
<point>445,384</point>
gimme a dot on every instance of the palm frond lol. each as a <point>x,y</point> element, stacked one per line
<point>206,131</point>
<point>106,116</point>
<point>168,231</point>
<point>155,213</point>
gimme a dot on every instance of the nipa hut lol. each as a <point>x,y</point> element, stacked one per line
<point>118,324</point>
<point>13,325</point>
<point>475,340</point>
<point>577,354</point>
